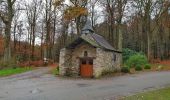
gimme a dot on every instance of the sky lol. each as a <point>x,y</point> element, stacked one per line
<point>67,2</point>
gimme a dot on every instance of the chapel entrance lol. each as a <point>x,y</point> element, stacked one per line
<point>86,67</point>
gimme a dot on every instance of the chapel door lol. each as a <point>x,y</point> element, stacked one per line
<point>86,68</point>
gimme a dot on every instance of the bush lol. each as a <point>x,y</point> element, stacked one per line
<point>137,60</point>
<point>147,66</point>
<point>127,53</point>
<point>138,68</point>
<point>125,70</point>
<point>56,71</point>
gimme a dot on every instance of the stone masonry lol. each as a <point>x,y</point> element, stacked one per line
<point>104,60</point>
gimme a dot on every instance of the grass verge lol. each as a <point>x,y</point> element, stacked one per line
<point>161,94</point>
<point>12,71</point>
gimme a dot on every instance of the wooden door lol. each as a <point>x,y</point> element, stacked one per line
<point>86,68</point>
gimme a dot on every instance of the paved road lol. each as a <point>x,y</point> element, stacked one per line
<point>41,86</point>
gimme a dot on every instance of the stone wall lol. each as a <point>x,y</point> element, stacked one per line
<point>64,60</point>
<point>69,58</point>
<point>106,61</point>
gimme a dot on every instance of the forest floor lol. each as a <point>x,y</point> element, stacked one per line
<point>161,66</point>
<point>155,66</point>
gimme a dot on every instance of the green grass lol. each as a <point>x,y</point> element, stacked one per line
<point>162,94</point>
<point>12,71</point>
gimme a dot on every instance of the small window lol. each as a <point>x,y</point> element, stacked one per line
<point>114,57</point>
<point>85,53</point>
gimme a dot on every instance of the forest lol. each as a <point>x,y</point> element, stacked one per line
<point>31,30</point>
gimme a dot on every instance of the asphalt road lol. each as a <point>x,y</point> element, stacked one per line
<point>37,85</point>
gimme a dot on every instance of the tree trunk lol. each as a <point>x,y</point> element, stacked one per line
<point>78,26</point>
<point>149,46</point>
<point>47,40</point>
<point>33,43</point>
<point>15,26</point>
<point>7,52</point>
<point>42,37</point>
<point>120,38</point>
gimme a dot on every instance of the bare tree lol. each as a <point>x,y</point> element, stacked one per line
<point>7,14</point>
<point>14,24</point>
<point>33,11</point>
<point>146,8</point>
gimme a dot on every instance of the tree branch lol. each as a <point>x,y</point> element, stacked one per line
<point>13,2</point>
<point>2,16</point>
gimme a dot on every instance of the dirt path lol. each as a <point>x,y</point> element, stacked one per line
<point>30,74</point>
<point>36,85</point>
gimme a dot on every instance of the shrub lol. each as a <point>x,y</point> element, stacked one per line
<point>56,71</point>
<point>136,60</point>
<point>125,70</point>
<point>147,66</point>
<point>138,68</point>
<point>127,53</point>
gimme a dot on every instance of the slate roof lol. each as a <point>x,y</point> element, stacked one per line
<point>102,42</point>
<point>93,39</point>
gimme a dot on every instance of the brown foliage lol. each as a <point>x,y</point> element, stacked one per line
<point>57,2</point>
<point>38,63</point>
<point>73,12</point>
<point>165,62</point>
<point>24,64</point>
